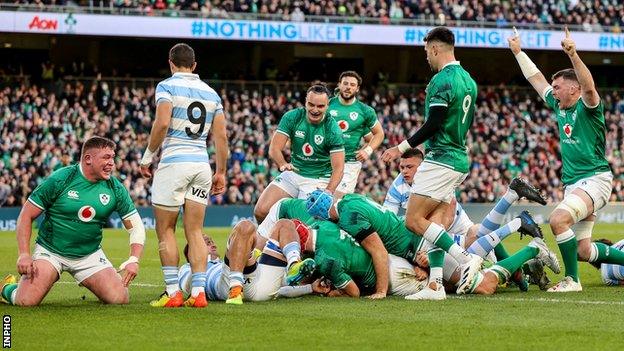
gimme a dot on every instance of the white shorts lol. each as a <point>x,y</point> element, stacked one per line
<point>263,285</point>
<point>598,187</point>
<point>350,177</point>
<point>298,186</point>
<point>175,182</point>
<point>80,268</point>
<point>461,223</point>
<point>403,280</point>
<point>265,228</point>
<point>437,182</point>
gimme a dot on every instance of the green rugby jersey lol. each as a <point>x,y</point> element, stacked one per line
<point>311,144</point>
<point>582,133</point>
<point>294,209</point>
<point>339,258</point>
<point>76,210</point>
<point>355,121</point>
<point>360,216</point>
<point>454,88</point>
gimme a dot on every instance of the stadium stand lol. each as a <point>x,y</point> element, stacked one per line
<point>42,127</point>
<point>588,15</point>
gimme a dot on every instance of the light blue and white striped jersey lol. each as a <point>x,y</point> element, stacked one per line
<point>194,106</point>
<point>214,269</point>
<point>612,274</point>
<point>397,195</point>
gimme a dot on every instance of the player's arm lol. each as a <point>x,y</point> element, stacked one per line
<point>377,136</point>
<point>278,143</point>
<point>26,217</point>
<point>375,247</point>
<point>528,68</point>
<point>164,110</point>
<point>392,202</point>
<point>136,230</point>
<point>337,159</point>
<point>350,290</point>
<point>219,135</point>
<point>589,94</point>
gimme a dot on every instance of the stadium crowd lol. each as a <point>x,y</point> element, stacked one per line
<point>592,15</point>
<point>42,130</point>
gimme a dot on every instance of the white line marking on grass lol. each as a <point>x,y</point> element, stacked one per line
<point>547,300</point>
<point>141,285</point>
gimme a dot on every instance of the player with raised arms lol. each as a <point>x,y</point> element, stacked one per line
<point>77,201</point>
<point>586,173</point>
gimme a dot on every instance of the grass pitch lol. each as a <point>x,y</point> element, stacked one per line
<point>71,318</point>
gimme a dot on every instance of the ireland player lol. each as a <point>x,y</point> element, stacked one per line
<point>356,121</point>
<point>586,174</point>
<point>77,201</point>
<point>317,152</point>
<point>612,274</point>
<point>186,109</point>
<point>449,111</point>
<point>371,242</point>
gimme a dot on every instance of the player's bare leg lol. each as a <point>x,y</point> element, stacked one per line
<point>108,287</point>
<point>269,196</point>
<point>30,292</point>
<point>169,256</point>
<point>194,213</point>
<point>240,246</point>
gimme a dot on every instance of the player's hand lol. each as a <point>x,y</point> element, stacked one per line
<point>377,296</point>
<point>420,274</point>
<point>146,171</point>
<point>129,272</point>
<point>514,42</point>
<point>362,155</point>
<point>391,154</point>
<point>218,184</point>
<point>287,167</point>
<point>26,266</point>
<point>422,260</point>
<point>320,287</point>
<point>568,45</point>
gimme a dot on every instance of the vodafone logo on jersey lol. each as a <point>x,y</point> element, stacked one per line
<point>567,129</point>
<point>307,149</point>
<point>343,125</point>
<point>44,24</point>
<point>86,213</point>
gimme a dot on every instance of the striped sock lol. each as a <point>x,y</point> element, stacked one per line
<point>568,247</point>
<point>292,251</point>
<point>8,293</point>
<point>198,283</point>
<point>496,216</point>
<point>602,253</point>
<point>236,279</point>
<point>171,279</point>
<point>488,242</point>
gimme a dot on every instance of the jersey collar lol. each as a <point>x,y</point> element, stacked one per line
<point>186,75</point>
<point>450,63</point>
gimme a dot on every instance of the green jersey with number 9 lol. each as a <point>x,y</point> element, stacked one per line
<point>455,89</point>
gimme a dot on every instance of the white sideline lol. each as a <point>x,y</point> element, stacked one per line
<point>496,298</point>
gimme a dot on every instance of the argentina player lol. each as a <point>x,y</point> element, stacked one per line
<point>186,109</point>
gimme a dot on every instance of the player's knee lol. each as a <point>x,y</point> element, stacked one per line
<point>27,301</point>
<point>260,212</point>
<point>559,222</point>
<point>118,297</point>
<point>285,224</point>
<point>245,228</point>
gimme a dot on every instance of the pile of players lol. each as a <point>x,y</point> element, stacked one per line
<point>315,235</point>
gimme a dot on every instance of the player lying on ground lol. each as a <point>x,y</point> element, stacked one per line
<point>296,209</point>
<point>316,152</point>
<point>612,274</point>
<point>357,121</point>
<point>77,201</point>
<point>586,174</point>
<point>241,277</point>
<point>360,216</point>
<point>488,280</point>
<point>349,268</point>
<point>187,109</point>
<point>463,230</point>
